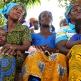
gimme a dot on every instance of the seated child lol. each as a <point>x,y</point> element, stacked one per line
<point>7,62</point>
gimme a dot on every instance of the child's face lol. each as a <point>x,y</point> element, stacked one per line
<point>2,37</point>
<point>46,18</point>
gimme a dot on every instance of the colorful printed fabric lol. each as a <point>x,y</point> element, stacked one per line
<point>18,35</point>
<point>65,33</point>
<point>75,63</point>
<point>47,68</point>
<point>7,68</point>
<point>68,10</point>
<point>5,11</point>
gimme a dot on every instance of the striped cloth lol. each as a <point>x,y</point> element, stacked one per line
<point>65,33</point>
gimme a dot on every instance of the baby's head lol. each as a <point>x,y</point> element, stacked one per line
<point>2,37</point>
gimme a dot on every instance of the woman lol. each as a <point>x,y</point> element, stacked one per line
<point>44,64</point>
<point>73,13</point>
<point>76,38</point>
<point>74,56</point>
<point>75,51</point>
<point>18,35</point>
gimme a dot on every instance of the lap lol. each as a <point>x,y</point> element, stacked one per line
<point>45,67</point>
<point>7,68</point>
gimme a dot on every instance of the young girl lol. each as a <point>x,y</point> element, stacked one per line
<point>40,65</point>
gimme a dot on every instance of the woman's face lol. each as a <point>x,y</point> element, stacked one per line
<point>76,12</point>
<point>46,18</point>
<point>16,13</point>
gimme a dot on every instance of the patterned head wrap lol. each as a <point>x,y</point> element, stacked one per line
<point>74,10</point>
<point>68,10</point>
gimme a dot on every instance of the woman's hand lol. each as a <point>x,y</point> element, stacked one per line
<point>46,48</point>
<point>50,50</point>
<point>43,48</point>
<point>9,49</point>
<point>34,48</point>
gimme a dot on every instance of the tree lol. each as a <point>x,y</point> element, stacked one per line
<point>63,3</point>
<point>66,2</point>
<point>27,3</point>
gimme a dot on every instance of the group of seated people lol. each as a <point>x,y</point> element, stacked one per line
<point>52,56</point>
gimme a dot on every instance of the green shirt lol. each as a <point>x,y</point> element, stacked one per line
<point>18,35</point>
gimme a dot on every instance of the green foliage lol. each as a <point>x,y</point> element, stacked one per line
<point>27,3</point>
<point>2,20</point>
<point>65,2</point>
<point>1,4</point>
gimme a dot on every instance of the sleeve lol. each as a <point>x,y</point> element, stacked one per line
<point>33,36</point>
<point>74,38</point>
<point>61,35</point>
<point>27,35</point>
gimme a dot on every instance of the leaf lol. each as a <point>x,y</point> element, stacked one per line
<point>1,5</point>
<point>2,20</point>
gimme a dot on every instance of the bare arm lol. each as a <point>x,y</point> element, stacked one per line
<point>23,47</point>
<point>26,42</point>
<point>11,49</point>
<point>70,43</point>
<point>62,47</point>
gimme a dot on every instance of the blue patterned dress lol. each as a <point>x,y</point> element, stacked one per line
<point>7,68</point>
